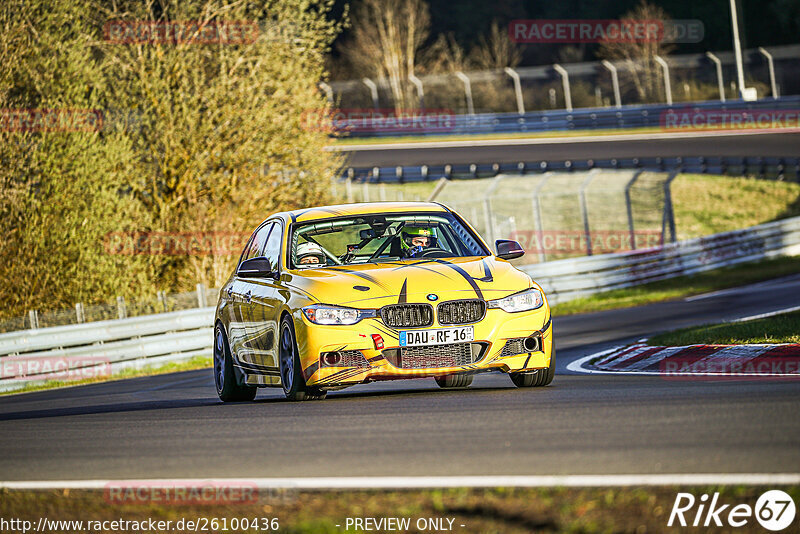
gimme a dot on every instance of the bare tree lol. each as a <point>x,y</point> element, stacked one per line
<point>497,51</point>
<point>642,71</point>
<point>385,42</point>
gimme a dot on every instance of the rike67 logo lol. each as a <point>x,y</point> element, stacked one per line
<point>774,510</point>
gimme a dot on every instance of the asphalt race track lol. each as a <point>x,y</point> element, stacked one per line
<point>173,426</point>
<point>710,144</point>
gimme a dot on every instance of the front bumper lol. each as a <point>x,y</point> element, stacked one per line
<point>492,332</point>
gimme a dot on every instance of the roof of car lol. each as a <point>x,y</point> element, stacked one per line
<point>341,210</point>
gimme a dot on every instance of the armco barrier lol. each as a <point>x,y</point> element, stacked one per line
<point>107,346</point>
<point>178,336</point>
<point>571,278</point>
<point>642,116</point>
<point>787,168</point>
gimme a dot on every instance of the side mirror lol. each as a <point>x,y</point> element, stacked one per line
<point>255,268</point>
<point>508,250</point>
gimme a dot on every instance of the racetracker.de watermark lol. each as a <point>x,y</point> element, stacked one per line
<point>735,119</point>
<point>704,368</point>
<point>571,241</point>
<point>62,368</point>
<point>190,492</point>
<point>51,120</point>
<point>361,120</point>
<point>540,31</point>
<point>180,32</point>
<point>175,243</point>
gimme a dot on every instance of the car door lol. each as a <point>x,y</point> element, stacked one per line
<point>264,307</point>
<point>239,293</point>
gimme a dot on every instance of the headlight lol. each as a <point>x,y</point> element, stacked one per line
<point>530,299</point>
<point>324,314</point>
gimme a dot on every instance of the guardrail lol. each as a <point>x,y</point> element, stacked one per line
<point>572,278</point>
<point>106,347</point>
<point>787,168</point>
<point>103,347</point>
<point>640,116</point>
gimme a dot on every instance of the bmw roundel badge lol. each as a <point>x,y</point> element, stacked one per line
<point>432,297</point>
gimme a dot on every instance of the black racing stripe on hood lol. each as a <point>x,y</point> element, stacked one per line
<point>402,298</point>
<point>470,280</point>
<point>418,265</point>
<point>364,276</point>
<point>487,273</point>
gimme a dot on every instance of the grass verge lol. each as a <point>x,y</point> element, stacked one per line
<point>506,510</point>
<point>683,286</point>
<point>198,362</point>
<point>784,328</point>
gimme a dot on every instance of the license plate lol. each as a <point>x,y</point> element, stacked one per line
<point>436,336</point>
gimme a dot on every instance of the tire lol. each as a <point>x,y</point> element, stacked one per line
<point>540,378</point>
<point>454,381</point>
<point>224,378</point>
<point>292,380</point>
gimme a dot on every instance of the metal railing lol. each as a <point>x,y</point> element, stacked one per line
<point>162,302</point>
<point>691,78</point>
<point>780,168</point>
<point>572,278</point>
<point>639,116</point>
<point>103,348</point>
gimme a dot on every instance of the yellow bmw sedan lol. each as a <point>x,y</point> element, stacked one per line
<point>330,297</point>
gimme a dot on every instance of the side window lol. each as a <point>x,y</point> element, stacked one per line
<point>273,250</point>
<point>257,243</point>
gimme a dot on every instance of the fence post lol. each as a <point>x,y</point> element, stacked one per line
<point>348,187</point>
<point>517,89</point>
<point>537,210</point>
<point>669,214</point>
<point>364,191</point>
<point>585,210</point>
<point>80,316</point>
<point>667,86</point>
<point>162,298</point>
<point>201,295</point>
<point>771,71</point>
<point>373,90</point>
<point>420,90</point>
<point>122,311</point>
<point>565,82</point>
<point>33,317</point>
<point>487,208</point>
<point>629,207</point>
<point>614,81</point>
<point>328,91</point>
<point>467,91</point>
<point>440,185</point>
<point>720,81</point>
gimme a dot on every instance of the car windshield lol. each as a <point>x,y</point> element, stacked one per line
<point>381,237</point>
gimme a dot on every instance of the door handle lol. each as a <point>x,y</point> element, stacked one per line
<point>248,296</point>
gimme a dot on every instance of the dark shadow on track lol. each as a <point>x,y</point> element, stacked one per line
<point>108,408</point>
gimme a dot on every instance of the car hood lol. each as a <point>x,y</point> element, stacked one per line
<point>376,285</point>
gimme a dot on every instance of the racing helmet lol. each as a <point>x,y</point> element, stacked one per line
<point>309,254</point>
<point>409,233</point>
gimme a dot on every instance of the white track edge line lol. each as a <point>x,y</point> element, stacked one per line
<point>423,482</point>
<point>768,314</point>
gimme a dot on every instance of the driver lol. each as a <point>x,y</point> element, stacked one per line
<point>310,254</point>
<point>414,240</point>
